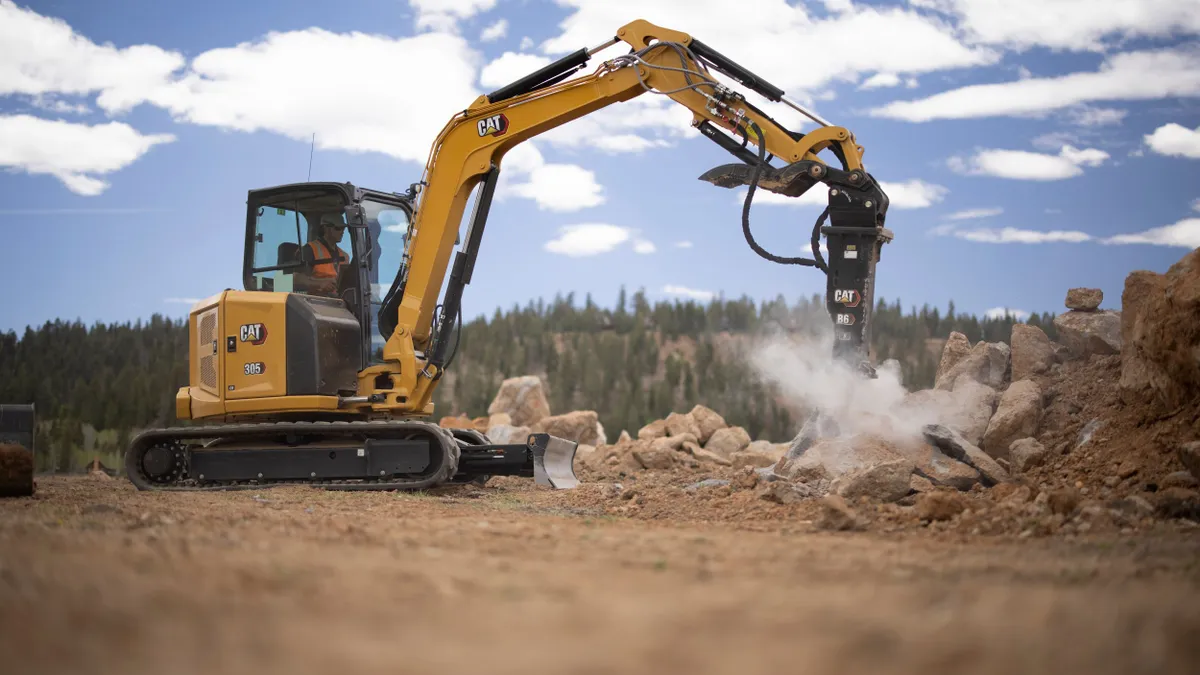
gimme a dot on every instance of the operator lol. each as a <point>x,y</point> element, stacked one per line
<point>322,279</point>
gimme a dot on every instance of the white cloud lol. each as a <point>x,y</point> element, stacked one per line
<point>1196,205</point>
<point>561,187</point>
<point>510,67</point>
<point>1012,235</point>
<point>688,244</point>
<point>1001,312</point>
<point>42,55</point>
<point>694,294</point>
<point>553,187</point>
<point>1185,234</point>
<point>74,153</point>
<point>494,32</point>
<point>1088,116</point>
<point>911,194</point>
<point>526,43</point>
<point>1023,165</point>
<point>644,247</point>
<point>182,301</point>
<point>265,84</point>
<point>268,85</point>
<point>1175,140</point>
<point>1129,76</point>
<point>444,15</point>
<point>879,80</point>
<point>588,239</point>
<point>633,126</point>
<point>1069,24</point>
<point>1085,157</point>
<point>50,103</point>
<point>892,39</point>
<point>972,214</point>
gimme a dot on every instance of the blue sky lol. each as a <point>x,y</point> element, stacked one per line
<point>1027,150</point>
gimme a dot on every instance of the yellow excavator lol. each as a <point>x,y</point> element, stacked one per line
<point>321,372</point>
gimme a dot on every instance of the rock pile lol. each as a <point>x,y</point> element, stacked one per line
<point>694,440</point>
<point>1034,428</point>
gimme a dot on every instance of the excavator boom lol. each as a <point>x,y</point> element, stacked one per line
<point>470,151</point>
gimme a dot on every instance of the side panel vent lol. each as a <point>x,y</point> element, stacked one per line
<point>207,351</point>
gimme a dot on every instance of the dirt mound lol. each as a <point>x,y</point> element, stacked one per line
<point>1098,442</point>
<point>16,471</point>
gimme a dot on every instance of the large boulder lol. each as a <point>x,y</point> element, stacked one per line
<point>523,398</point>
<point>727,441</point>
<point>1165,335</point>
<point>581,426</point>
<point>1084,299</point>
<point>956,349</point>
<point>954,445</point>
<point>835,457</point>
<point>776,450</point>
<point>857,466</point>
<point>708,420</point>
<point>1017,416</point>
<point>1032,351</point>
<point>986,363</point>
<point>942,469</point>
<point>507,434</point>
<point>1141,376</point>
<point>1088,333</point>
<point>886,482</point>
<point>653,430</point>
<point>967,408</point>
<point>682,424</point>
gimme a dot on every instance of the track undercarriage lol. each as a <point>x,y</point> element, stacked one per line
<point>344,455</point>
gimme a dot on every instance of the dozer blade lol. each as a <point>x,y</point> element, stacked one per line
<point>554,461</point>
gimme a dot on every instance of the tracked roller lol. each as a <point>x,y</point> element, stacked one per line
<point>351,455</point>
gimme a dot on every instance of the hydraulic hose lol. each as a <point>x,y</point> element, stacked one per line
<point>819,262</point>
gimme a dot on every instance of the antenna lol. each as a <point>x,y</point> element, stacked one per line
<point>310,155</point>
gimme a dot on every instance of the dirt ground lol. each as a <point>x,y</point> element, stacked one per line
<point>510,578</point>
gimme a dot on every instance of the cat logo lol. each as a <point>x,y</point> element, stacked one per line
<point>848,298</point>
<point>845,320</point>
<point>495,125</point>
<point>254,333</point>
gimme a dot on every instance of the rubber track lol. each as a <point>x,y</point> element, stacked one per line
<point>175,434</point>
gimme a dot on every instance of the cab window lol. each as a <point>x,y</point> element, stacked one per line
<point>279,234</point>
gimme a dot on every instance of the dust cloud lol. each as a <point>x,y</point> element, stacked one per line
<point>848,403</point>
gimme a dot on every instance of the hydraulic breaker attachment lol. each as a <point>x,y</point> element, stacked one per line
<point>855,239</point>
<point>855,235</point>
<point>549,460</point>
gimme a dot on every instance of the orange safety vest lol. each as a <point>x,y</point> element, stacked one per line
<point>326,270</point>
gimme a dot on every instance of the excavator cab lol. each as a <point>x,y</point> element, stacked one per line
<point>329,240</point>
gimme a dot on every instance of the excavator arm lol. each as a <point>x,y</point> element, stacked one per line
<point>469,152</point>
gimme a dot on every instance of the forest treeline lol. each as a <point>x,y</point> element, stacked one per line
<point>631,363</point>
